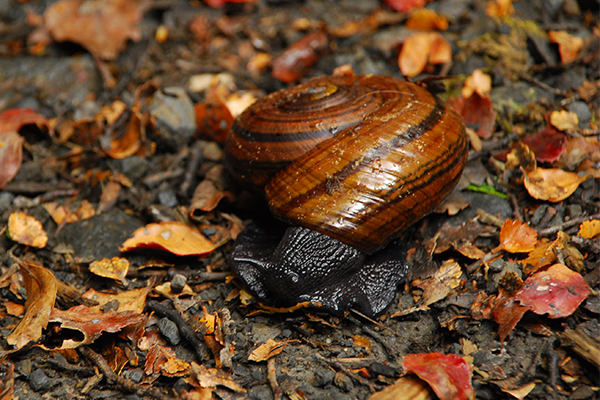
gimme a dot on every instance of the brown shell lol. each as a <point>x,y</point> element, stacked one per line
<point>358,158</point>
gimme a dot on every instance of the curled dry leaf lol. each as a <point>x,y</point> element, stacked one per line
<point>589,229</point>
<point>565,121</point>
<point>552,184</point>
<point>568,45</point>
<point>164,361</point>
<point>92,324</point>
<point>174,237</point>
<point>115,268</point>
<point>102,27</point>
<point>41,288</point>
<point>421,48</point>
<point>557,291</point>
<point>267,350</point>
<point>517,237</point>
<point>26,230</point>
<point>130,142</point>
<point>291,65</point>
<point>448,374</point>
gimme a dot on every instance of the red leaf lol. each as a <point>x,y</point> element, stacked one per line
<point>15,119</point>
<point>290,65</point>
<point>448,374</point>
<point>547,144</point>
<point>405,5</point>
<point>557,291</point>
<point>477,112</point>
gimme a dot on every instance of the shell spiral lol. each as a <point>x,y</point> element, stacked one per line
<point>358,158</point>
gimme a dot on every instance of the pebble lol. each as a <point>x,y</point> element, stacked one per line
<point>378,368</point>
<point>323,377</point>
<point>584,115</point>
<point>135,375</point>
<point>38,380</point>
<point>343,382</point>
<point>173,111</point>
<point>178,283</point>
<point>168,198</point>
<point>169,330</point>
<point>260,392</point>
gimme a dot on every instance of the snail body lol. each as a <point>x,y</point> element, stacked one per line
<point>355,159</point>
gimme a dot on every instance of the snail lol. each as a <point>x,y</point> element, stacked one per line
<point>348,162</point>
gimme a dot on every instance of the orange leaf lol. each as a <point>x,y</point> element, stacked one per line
<point>507,312</point>
<point>517,237</point>
<point>115,268</point>
<point>552,184</point>
<point>131,300</point>
<point>477,82</point>
<point>557,291</point>
<point>26,230</point>
<point>565,121</point>
<point>568,45</point>
<point>589,229</point>
<point>499,8</point>
<point>41,288</point>
<point>426,20</point>
<point>267,350</point>
<point>11,156</point>
<point>448,374</point>
<point>405,5</point>
<point>163,360</point>
<point>175,237</point>
<point>419,49</point>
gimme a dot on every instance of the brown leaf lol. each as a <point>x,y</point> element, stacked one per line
<point>130,142</point>
<point>477,82</point>
<point>421,48</point>
<point>499,8</point>
<point>507,312</point>
<point>477,112</point>
<point>211,377</point>
<point>589,229</point>
<point>163,360</point>
<point>92,324</point>
<point>426,20</point>
<point>568,45</point>
<point>517,237</point>
<point>27,230</point>
<point>41,288</point>
<point>60,213</point>
<point>552,184</point>
<point>131,300</point>
<point>11,156</point>
<point>407,387</point>
<point>174,237</point>
<point>102,27</point>
<point>292,63</point>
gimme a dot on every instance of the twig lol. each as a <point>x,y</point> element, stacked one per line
<point>489,257</point>
<point>192,169</point>
<point>184,329</point>
<point>272,377</point>
<point>544,86</point>
<point>515,204</point>
<point>380,339</point>
<point>338,366</point>
<point>121,382</point>
<point>561,227</point>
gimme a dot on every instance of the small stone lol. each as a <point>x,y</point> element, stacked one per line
<point>169,330</point>
<point>584,115</point>
<point>260,392</point>
<point>135,375</point>
<point>382,369</point>
<point>38,380</point>
<point>178,283</point>
<point>181,384</point>
<point>168,198</point>
<point>323,377</point>
<point>574,210</point>
<point>343,382</point>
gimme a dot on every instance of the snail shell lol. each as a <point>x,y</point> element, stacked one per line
<point>357,158</point>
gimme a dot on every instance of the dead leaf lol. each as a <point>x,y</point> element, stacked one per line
<point>589,229</point>
<point>26,230</point>
<point>442,283</point>
<point>565,121</point>
<point>212,377</point>
<point>448,374</point>
<point>552,184</point>
<point>292,63</point>
<point>405,5</point>
<point>165,290</point>
<point>516,237</point>
<point>568,45</point>
<point>507,312</point>
<point>499,8</point>
<point>60,213</point>
<point>267,350</point>
<point>131,300</point>
<point>421,48</point>
<point>521,392</point>
<point>478,113</point>
<point>102,27</point>
<point>407,387</point>
<point>130,142</point>
<point>92,324</point>
<point>547,144</point>
<point>163,360</point>
<point>557,291</point>
<point>41,288</point>
<point>174,237</point>
<point>426,20</point>
<point>114,268</point>
<point>11,156</point>
<point>477,82</point>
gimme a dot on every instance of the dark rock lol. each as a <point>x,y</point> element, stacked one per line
<point>583,112</point>
<point>382,369</point>
<point>343,382</point>
<point>181,384</point>
<point>260,392</point>
<point>135,375</point>
<point>169,330</point>
<point>173,111</point>
<point>39,380</point>
<point>178,283</point>
<point>323,377</point>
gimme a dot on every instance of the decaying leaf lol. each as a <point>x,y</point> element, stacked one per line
<point>267,350</point>
<point>292,63</point>
<point>421,48</point>
<point>102,27</point>
<point>477,82</point>
<point>478,113</point>
<point>211,377</point>
<point>405,5</point>
<point>448,374</point>
<point>568,45</point>
<point>552,184</point>
<point>507,312</point>
<point>442,283</point>
<point>517,237</point>
<point>175,237</point>
<point>547,144</point>
<point>61,213</point>
<point>499,8</point>
<point>426,20</point>
<point>163,360</point>
<point>41,288</point>
<point>131,300</point>
<point>557,291</point>
<point>91,324</point>
<point>27,230</point>
<point>407,387</point>
<point>114,268</point>
<point>565,121</point>
<point>11,156</point>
